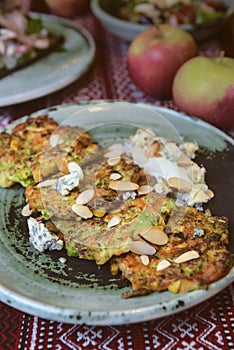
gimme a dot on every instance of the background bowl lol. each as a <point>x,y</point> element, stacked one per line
<point>106,12</point>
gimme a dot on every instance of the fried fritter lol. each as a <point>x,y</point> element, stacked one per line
<point>188,230</point>
<point>28,155</point>
<point>34,133</point>
<point>71,144</point>
<point>92,238</point>
<point>19,148</point>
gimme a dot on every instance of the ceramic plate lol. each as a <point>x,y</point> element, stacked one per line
<point>106,11</point>
<point>77,291</point>
<point>54,71</point>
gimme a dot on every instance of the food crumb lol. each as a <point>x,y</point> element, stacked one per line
<point>62,260</point>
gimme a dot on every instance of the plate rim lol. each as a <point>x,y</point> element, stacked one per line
<point>99,317</point>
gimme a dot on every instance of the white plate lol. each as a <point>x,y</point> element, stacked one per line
<point>79,292</point>
<point>128,30</point>
<point>54,71</point>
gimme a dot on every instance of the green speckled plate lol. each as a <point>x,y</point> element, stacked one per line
<point>77,291</point>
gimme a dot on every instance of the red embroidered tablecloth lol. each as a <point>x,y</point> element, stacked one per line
<point>208,325</point>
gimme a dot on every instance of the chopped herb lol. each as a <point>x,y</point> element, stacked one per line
<point>34,26</point>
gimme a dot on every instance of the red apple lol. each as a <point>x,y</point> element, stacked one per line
<point>204,87</point>
<point>155,55</point>
<point>68,8</point>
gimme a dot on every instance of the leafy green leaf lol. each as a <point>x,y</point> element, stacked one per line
<point>204,17</point>
<point>34,26</point>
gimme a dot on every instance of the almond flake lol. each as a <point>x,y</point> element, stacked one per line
<point>113,154</point>
<point>190,149</point>
<point>141,248</point>
<point>123,185</point>
<point>82,211</point>
<point>113,161</point>
<point>145,189</point>
<point>203,197</point>
<point>190,255</point>
<point>55,140</point>
<point>41,43</point>
<point>145,260</point>
<point>46,183</point>
<point>153,149</point>
<point>138,156</point>
<point>163,264</point>
<point>117,147</point>
<point>184,161</point>
<point>26,211</point>
<point>115,176</point>
<point>73,166</point>
<point>179,184</point>
<point>85,196</point>
<point>155,236</point>
<point>114,221</point>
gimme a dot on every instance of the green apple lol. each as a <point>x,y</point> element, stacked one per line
<point>155,55</point>
<point>204,87</point>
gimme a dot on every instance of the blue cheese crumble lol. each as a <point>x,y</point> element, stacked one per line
<point>198,232</point>
<point>41,238</point>
<point>67,182</point>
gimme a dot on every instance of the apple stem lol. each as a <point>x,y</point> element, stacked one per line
<point>221,56</point>
<point>157,26</point>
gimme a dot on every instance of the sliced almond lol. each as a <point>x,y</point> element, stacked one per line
<point>26,211</point>
<point>129,161</point>
<point>200,197</point>
<point>153,149</point>
<point>46,183</point>
<point>163,265</point>
<point>184,161</point>
<point>82,211</point>
<point>155,236</point>
<point>73,166</point>
<point>113,154</point>
<point>138,156</point>
<point>55,140</point>
<point>41,43</point>
<point>141,248</point>
<point>114,221</point>
<point>204,196</point>
<point>113,161</point>
<point>85,196</point>
<point>200,187</point>
<point>145,189</point>
<point>179,184</point>
<point>196,174</point>
<point>187,256</point>
<point>145,260</point>
<point>115,176</point>
<point>117,147</point>
<point>161,188</point>
<point>123,185</point>
<point>190,149</point>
